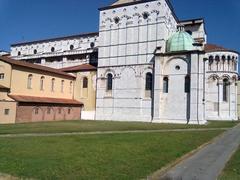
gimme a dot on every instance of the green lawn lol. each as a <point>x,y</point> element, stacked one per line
<point>92,126</point>
<point>232,169</point>
<point>115,156</point>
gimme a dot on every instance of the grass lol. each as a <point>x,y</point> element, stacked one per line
<point>116,156</point>
<point>92,126</point>
<point>232,169</point>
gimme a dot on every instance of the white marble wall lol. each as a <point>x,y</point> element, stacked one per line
<point>216,72</point>
<point>65,47</point>
<point>177,106</point>
<point>128,38</point>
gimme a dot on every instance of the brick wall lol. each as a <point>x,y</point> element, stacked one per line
<point>28,112</point>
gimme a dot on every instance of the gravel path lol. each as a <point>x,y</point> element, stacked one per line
<point>107,132</point>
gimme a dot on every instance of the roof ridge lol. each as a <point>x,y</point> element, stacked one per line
<point>34,66</point>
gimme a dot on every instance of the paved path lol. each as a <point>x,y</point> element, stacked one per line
<point>208,163</point>
<point>109,132</point>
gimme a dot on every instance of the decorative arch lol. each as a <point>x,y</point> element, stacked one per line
<point>225,76</point>
<point>109,71</point>
<point>213,77</point>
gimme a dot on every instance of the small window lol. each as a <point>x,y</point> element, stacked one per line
<point>29,83</point>
<point>217,58</point>
<point>1,75</point>
<point>177,68</point>
<point>71,87</point>
<point>6,111</point>
<point>187,84</point>
<point>71,47</point>
<point>148,86</point>
<point>92,44</point>
<point>35,51</point>
<point>85,82</point>
<point>42,83</point>
<point>145,15</point>
<point>116,20</point>
<point>52,49</point>
<point>165,84</point>
<point>109,82</point>
<point>19,53</point>
<point>69,110</point>
<point>53,85</point>
<point>225,90</point>
<point>62,86</point>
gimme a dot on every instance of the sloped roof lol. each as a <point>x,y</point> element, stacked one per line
<point>57,38</point>
<point>214,47</point>
<point>33,99</point>
<point>35,66</point>
<point>124,2</point>
<point>83,67</point>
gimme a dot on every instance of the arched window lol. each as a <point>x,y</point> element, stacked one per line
<point>85,82</point>
<point>71,87</point>
<point>29,83</point>
<point>225,90</point>
<point>62,86</point>
<point>148,82</point>
<point>165,84</point>
<point>35,51</point>
<point>19,53</point>
<point>53,85</point>
<point>217,58</point>
<point>71,47</point>
<point>210,62</point>
<point>223,58</point>
<point>109,82</point>
<point>187,84</point>
<point>52,49</point>
<point>42,83</point>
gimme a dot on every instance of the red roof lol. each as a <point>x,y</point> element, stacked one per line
<point>83,67</point>
<point>33,99</point>
<point>35,66</point>
<point>213,47</point>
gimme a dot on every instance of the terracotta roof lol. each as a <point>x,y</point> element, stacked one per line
<point>35,66</point>
<point>57,38</point>
<point>83,67</point>
<point>32,99</point>
<point>213,47</point>
<point>4,87</point>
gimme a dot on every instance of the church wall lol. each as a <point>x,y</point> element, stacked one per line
<point>129,36</point>
<point>218,70</point>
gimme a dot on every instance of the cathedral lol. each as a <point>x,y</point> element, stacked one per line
<point>143,65</point>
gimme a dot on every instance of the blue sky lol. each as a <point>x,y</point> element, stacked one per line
<point>27,20</point>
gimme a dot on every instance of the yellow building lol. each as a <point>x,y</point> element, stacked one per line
<point>30,93</point>
<point>85,88</point>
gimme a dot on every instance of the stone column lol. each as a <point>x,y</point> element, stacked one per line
<point>157,89</point>
<point>197,88</point>
<point>64,62</point>
<point>43,61</point>
<point>220,96</point>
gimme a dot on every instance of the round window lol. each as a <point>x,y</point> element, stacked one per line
<point>177,68</point>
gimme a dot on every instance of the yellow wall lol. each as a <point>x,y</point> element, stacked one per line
<point>20,81</point>
<point>86,95</point>
<point>10,118</point>
<point>6,69</point>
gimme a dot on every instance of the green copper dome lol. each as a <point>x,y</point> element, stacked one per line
<point>180,41</point>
